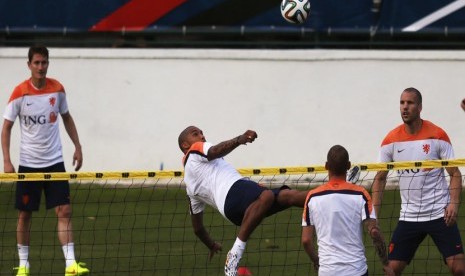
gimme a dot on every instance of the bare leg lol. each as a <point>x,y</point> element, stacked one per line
<point>397,266</point>
<point>65,232</point>
<point>252,218</point>
<point>456,264</point>
<point>23,229</point>
<point>255,214</point>
<point>23,233</point>
<point>292,198</point>
<point>64,226</point>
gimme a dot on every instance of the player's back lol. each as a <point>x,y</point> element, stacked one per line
<point>337,211</point>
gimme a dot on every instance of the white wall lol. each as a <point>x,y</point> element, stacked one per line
<point>131,104</point>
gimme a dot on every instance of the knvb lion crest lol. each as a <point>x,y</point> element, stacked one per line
<point>426,148</point>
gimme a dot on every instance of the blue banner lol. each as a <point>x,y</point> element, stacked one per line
<point>115,15</point>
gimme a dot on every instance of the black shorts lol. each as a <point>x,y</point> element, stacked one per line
<point>408,235</point>
<point>243,193</point>
<point>28,193</point>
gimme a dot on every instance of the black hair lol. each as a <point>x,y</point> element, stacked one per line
<point>41,50</point>
<point>338,160</point>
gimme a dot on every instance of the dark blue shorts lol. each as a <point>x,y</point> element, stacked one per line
<point>242,194</point>
<point>408,235</point>
<point>28,193</point>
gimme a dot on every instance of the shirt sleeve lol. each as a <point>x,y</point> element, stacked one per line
<point>195,206</point>
<point>386,153</point>
<point>368,211</point>
<point>307,219</point>
<point>446,151</point>
<point>12,110</point>
<point>14,105</point>
<point>63,108</point>
<point>206,147</point>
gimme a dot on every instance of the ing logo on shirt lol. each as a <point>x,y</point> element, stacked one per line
<point>39,119</point>
<point>34,120</point>
<point>407,171</point>
<point>426,148</point>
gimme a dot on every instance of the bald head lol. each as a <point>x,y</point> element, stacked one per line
<point>338,160</point>
<point>183,136</point>
<point>189,136</point>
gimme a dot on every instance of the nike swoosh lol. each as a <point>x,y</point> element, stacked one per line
<point>399,151</point>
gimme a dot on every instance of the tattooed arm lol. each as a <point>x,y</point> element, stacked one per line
<point>222,149</point>
<point>379,243</point>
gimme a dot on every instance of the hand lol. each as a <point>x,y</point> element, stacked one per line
<point>215,248</point>
<point>77,159</point>
<point>8,167</point>
<point>388,271</point>
<point>450,214</point>
<point>316,264</point>
<point>248,137</point>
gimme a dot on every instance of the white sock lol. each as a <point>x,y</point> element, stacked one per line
<point>23,253</point>
<point>239,247</point>
<point>68,251</point>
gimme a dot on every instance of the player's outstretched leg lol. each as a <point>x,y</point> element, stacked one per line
<point>288,198</point>
<point>252,218</point>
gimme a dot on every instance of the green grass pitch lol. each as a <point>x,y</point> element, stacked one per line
<point>146,230</point>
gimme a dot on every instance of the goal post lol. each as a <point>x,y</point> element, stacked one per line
<point>137,223</point>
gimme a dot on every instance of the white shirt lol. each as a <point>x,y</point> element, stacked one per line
<point>207,182</point>
<point>337,211</point>
<point>38,112</point>
<point>424,192</point>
